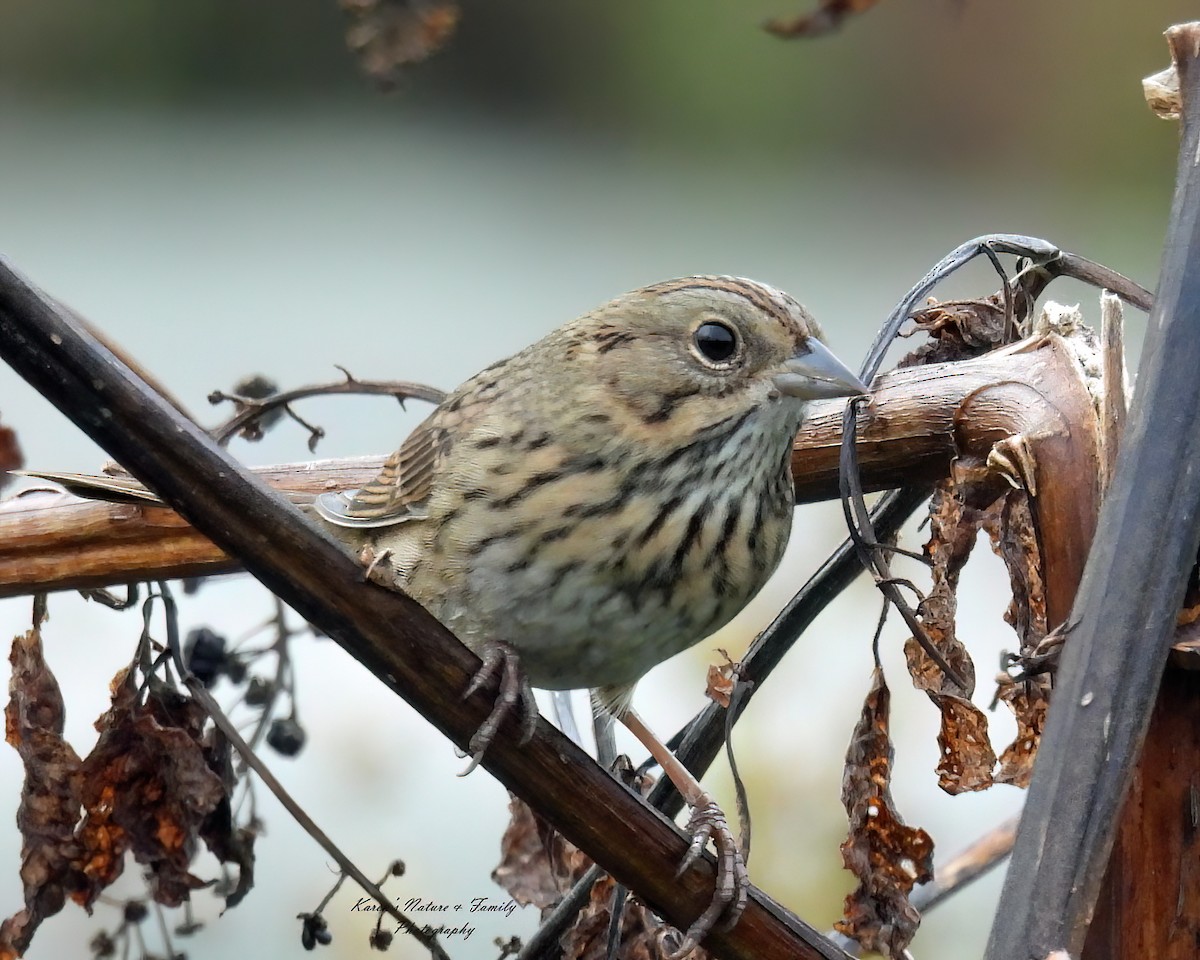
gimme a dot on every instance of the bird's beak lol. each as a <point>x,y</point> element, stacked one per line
<point>814,372</point>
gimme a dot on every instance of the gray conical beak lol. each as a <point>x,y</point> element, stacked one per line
<point>815,372</point>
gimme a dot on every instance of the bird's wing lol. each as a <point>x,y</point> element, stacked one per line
<point>401,489</point>
<point>396,495</point>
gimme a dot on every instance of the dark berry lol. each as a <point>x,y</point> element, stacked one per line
<point>381,939</point>
<point>258,387</point>
<point>235,669</point>
<point>259,692</point>
<point>286,736</point>
<point>314,931</point>
<point>204,654</point>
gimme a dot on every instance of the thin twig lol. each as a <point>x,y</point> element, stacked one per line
<point>251,409</point>
<point>858,521</point>
<point>284,678</point>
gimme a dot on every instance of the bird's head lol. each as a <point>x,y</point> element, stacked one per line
<point>696,350</point>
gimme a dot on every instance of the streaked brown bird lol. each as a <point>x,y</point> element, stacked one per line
<point>608,497</point>
<point>602,500</point>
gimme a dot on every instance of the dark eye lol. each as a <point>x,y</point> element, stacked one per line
<point>715,341</point>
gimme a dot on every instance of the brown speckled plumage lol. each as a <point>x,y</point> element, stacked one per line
<point>606,497</point>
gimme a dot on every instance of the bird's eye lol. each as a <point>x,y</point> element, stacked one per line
<point>716,342</point>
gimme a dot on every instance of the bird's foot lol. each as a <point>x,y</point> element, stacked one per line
<point>501,661</point>
<point>377,566</point>
<point>733,880</point>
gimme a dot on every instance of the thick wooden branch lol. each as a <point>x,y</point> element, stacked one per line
<point>1029,399</point>
<point>390,634</point>
<point>1150,903</point>
<point>1125,614</point>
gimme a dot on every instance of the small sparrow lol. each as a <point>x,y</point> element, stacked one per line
<point>607,497</point>
<point>600,501</point>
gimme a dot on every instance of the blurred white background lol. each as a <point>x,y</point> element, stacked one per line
<point>421,238</point>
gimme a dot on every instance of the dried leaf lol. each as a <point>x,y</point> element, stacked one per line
<point>957,329</point>
<point>388,35</point>
<point>953,526</point>
<point>1014,540</point>
<point>1028,702</point>
<point>886,856</point>
<point>537,866</point>
<point>49,808</point>
<point>825,19</point>
<point>146,789</point>
<point>10,455</point>
<point>720,680</point>
<point>968,760</point>
<point>1161,91</point>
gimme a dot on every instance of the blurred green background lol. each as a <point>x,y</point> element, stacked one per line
<point>219,188</point>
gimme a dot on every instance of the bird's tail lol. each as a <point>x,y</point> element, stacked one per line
<point>111,488</point>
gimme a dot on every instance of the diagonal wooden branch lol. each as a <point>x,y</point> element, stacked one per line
<point>390,634</point>
<point>1029,399</point>
<point>1137,572</point>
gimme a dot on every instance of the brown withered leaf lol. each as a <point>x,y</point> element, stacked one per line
<point>957,330</point>
<point>11,457</point>
<point>720,680</point>
<point>886,856</point>
<point>1028,702</point>
<point>146,789</point>
<point>537,866</point>
<point>952,529</point>
<point>825,19</point>
<point>1014,540</point>
<point>388,35</point>
<point>968,760</point>
<point>49,807</point>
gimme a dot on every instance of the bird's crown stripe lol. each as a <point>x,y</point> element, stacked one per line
<point>757,295</point>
